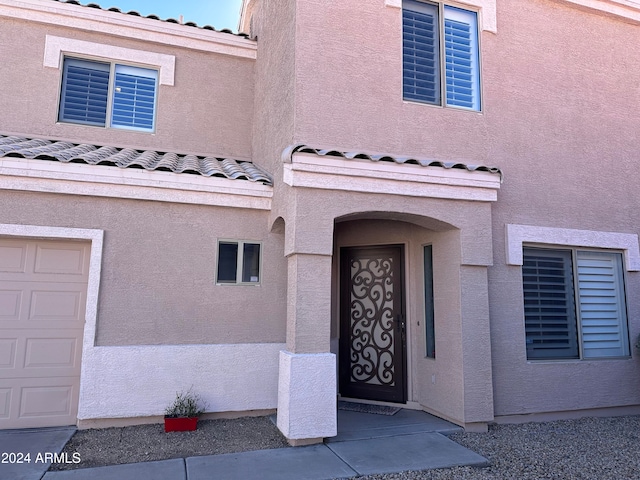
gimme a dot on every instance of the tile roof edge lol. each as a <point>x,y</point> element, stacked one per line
<point>153,17</point>
<point>33,151</point>
<point>289,151</point>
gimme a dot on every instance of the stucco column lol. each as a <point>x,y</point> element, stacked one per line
<point>307,375</point>
<point>476,348</point>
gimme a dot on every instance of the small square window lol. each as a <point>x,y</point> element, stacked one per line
<point>238,262</point>
<point>108,95</point>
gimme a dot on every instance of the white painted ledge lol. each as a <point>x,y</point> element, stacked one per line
<point>517,235</point>
<point>128,26</point>
<point>487,16</point>
<point>56,47</point>
<point>106,181</point>
<point>336,173</point>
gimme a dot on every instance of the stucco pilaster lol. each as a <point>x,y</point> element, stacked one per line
<point>476,345</point>
<point>308,303</point>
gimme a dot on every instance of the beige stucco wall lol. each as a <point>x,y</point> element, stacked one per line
<point>159,265</point>
<point>274,23</point>
<point>185,123</point>
<point>559,117</point>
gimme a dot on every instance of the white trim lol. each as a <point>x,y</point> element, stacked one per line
<point>107,181</point>
<point>516,235</point>
<point>487,16</point>
<point>335,173</point>
<point>621,8</point>
<point>128,26</point>
<point>55,47</point>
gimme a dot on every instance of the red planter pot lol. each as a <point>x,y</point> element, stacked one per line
<point>180,424</point>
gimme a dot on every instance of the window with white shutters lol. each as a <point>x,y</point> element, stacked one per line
<point>440,55</point>
<point>574,304</point>
<point>108,95</point>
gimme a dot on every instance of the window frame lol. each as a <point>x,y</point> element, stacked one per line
<point>445,9</point>
<point>240,261</point>
<point>573,281</point>
<point>111,92</point>
<point>429,309</point>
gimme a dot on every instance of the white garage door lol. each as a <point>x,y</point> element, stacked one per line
<point>43,285</point>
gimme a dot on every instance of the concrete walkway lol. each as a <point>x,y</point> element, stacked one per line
<point>366,444</point>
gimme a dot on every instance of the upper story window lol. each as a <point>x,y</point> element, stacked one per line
<point>108,95</point>
<point>440,55</point>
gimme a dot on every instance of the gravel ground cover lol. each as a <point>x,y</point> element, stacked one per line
<point>588,448</point>
<point>585,449</point>
<point>144,443</point>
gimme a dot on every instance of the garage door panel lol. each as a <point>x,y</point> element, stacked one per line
<point>10,304</point>
<point>42,401</point>
<point>5,402</point>
<point>13,256</point>
<point>56,303</point>
<point>42,353</point>
<point>42,314</point>
<point>58,258</point>
<point>42,305</point>
<point>39,402</point>
<point>8,354</point>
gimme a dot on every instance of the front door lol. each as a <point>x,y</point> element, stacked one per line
<point>372,325</point>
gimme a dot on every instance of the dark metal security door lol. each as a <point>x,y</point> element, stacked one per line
<point>372,327</point>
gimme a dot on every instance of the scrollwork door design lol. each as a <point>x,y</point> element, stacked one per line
<point>372,355</point>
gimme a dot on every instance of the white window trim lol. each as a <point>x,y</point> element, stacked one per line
<point>56,48</point>
<point>487,17</point>
<point>516,235</point>
<point>240,262</point>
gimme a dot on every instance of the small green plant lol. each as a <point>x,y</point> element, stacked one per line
<point>186,404</point>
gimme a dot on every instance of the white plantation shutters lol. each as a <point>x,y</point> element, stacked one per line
<point>550,320</point>
<point>461,58</point>
<point>420,52</point>
<point>104,94</point>
<point>424,61</point>
<point>574,304</point>
<point>602,305</point>
<point>85,89</point>
<point>134,97</point>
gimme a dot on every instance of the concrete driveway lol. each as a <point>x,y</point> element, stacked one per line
<point>27,454</point>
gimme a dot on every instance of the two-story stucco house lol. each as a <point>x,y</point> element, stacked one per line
<point>415,202</point>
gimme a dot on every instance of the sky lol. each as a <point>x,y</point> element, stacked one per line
<point>217,13</point>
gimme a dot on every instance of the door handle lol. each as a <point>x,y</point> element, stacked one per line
<point>400,324</point>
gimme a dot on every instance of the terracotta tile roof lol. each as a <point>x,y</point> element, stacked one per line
<point>375,157</point>
<point>67,152</point>
<point>152,16</point>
